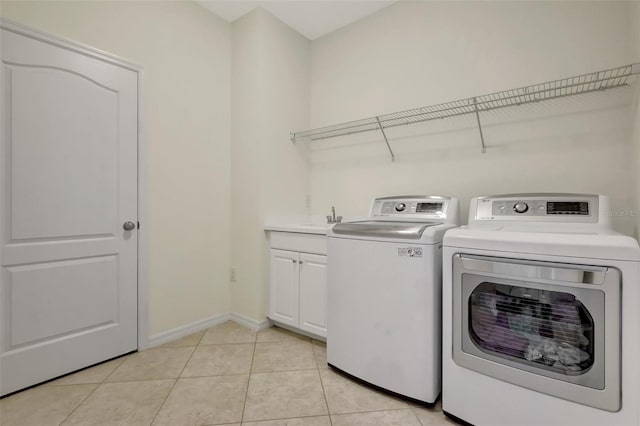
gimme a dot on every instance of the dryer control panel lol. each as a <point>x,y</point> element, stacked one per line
<point>581,208</point>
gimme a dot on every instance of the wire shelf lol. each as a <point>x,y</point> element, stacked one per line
<point>577,85</point>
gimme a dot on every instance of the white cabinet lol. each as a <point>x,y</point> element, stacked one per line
<point>298,287</point>
<point>284,295</point>
<point>313,293</point>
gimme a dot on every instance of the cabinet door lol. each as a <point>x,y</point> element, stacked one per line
<point>283,304</point>
<point>313,293</point>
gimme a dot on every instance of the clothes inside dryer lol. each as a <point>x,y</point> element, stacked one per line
<point>549,329</point>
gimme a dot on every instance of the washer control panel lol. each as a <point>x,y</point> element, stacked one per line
<point>407,207</point>
<point>539,207</point>
<point>411,207</point>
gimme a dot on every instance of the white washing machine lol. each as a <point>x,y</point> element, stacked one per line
<point>541,314</point>
<point>384,294</point>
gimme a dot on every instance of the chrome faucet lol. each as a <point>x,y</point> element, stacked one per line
<point>333,218</point>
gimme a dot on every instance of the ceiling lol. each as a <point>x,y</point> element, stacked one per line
<point>311,18</point>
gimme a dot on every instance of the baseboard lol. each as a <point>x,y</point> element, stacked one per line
<point>194,327</point>
<point>250,322</point>
<point>185,330</point>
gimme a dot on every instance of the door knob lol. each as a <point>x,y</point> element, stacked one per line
<point>128,226</point>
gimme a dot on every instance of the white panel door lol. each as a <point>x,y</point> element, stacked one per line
<point>283,299</point>
<point>68,283</point>
<point>313,294</point>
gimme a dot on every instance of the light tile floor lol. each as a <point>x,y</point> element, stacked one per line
<point>226,375</point>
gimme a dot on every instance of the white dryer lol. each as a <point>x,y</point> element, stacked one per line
<point>540,314</point>
<point>384,294</point>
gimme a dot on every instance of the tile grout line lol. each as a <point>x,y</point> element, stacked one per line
<point>374,411</point>
<point>378,411</point>
<point>93,391</point>
<point>200,339</point>
<point>278,371</point>
<point>433,409</point>
<point>277,418</point>
<point>205,377</point>
<point>81,402</point>
<point>251,373</point>
<point>174,385</point>
<point>246,393</point>
<point>414,413</point>
<point>198,344</point>
<point>324,392</point>
<point>310,341</point>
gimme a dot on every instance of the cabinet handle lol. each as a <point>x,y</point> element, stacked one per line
<point>294,261</point>
<point>301,262</point>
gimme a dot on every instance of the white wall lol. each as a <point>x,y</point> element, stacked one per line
<point>185,54</point>
<point>413,54</point>
<point>221,100</point>
<point>269,176</point>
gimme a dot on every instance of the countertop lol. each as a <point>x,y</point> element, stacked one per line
<point>304,224</point>
<point>303,228</point>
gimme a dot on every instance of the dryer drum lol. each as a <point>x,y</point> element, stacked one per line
<point>551,330</point>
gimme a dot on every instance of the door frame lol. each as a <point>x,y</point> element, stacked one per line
<point>143,301</point>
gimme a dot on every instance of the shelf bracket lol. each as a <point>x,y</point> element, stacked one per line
<point>384,135</point>
<point>475,107</point>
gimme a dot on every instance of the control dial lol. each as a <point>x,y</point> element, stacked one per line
<point>400,207</point>
<point>520,207</point>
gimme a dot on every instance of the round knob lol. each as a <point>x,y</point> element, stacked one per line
<point>520,207</point>
<point>400,207</point>
<point>128,226</point>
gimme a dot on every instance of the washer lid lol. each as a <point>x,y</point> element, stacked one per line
<point>383,229</point>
